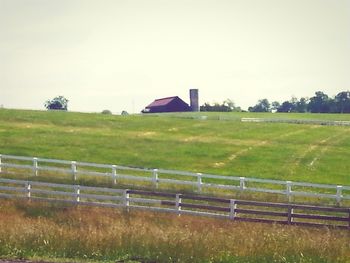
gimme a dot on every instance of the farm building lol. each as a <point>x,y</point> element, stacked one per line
<point>173,104</point>
<point>169,104</point>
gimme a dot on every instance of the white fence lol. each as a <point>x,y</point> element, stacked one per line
<point>238,210</point>
<point>298,121</point>
<point>172,177</point>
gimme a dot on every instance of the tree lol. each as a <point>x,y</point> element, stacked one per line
<point>262,106</point>
<point>301,105</point>
<point>319,103</point>
<point>108,112</point>
<point>286,106</point>
<point>215,107</point>
<point>342,102</point>
<point>293,105</point>
<point>57,103</point>
<point>275,105</point>
<point>227,106</point>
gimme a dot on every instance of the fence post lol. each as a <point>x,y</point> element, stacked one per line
<point>126,198</point>
<point>339,194</point>
<point>27,188</point>
<point>155,177</point>
<point>0,163</point>
<point>242,183</point>
<point>74,170</point>
<point>35,166</point>
<point>178,203</point>
<point>199,182</point>
<point>289,190</point>
<point>233,207</point>
<point>114,174</point>
<point>290,215</point>
<point>77,193</point>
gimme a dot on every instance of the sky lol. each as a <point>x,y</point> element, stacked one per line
<point>122,54</point>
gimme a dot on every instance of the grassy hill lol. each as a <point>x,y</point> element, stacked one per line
<point>297,152</point>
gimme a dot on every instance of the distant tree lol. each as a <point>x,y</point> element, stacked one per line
<point>301,105</point>
<point>124,113</point>
<point>229,103</point>
<point>286,106</point>
<point>226,106</point>
<point>205,107</point>
<point>319,103</point>
<point>332,106</point>
<point>106,112</point>
<point>215,107</point>
<point>262,106</point>
<point>342,102</point>
<point>293,105</point>
<point>275,105</point>
<point>57,103</point>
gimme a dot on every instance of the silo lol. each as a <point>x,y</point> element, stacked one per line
<point>194,100</point>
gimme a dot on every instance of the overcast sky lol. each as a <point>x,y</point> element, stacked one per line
<point>123,54</point>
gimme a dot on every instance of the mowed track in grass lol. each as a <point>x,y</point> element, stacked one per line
<point>296,152</point>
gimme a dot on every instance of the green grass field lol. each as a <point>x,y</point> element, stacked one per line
<point>296,152</point>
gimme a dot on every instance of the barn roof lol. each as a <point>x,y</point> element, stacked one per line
<point>162,102</point>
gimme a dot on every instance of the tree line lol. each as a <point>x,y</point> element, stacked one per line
<point>226,106</point>
<point>319,103</point>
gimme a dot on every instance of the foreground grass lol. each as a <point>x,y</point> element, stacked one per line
<point>182,141</point>
<point>38,230</point>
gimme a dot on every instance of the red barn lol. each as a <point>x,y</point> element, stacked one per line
<point>169,104</point>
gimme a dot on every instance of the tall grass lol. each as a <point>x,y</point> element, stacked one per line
<point>40,230</point>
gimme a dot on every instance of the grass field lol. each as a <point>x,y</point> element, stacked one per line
<point>35,230</point>
<point>296,152</point>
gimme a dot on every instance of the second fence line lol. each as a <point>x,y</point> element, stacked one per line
<point>238,210</point>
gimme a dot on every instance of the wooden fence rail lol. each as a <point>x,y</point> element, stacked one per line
<point>238,210</point>
<point>161,176</point>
